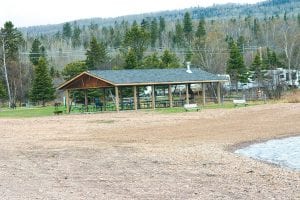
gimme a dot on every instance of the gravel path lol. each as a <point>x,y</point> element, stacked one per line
<point>146,155</point>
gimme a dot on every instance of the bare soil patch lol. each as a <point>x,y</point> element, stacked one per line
<point>146,155</point>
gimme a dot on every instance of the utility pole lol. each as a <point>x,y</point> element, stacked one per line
<point>5,72</point>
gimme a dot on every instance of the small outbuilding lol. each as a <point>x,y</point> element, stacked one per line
<point>137,79</point>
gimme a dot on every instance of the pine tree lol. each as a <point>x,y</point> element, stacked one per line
<point>241,43</point>
<point>154,32</point>
<point>76,42</point>
<point>42,87</point>
<point>52,72</point>
<point>169,60</point>
<point>37,51</point>
<point>298,20</point>
<point>96,54</point>
<point>229,41</point>
<point>11,40</point>
<point>162,27</point>
<point>179,35</point>
<point>131,61</point>
<point>162,24</point>
<point>152,61</point>
<point>145,25</point>
<point>256,28</point>
<point>201,32</point>
<point>67,31</point>
<point>137,39</point>
<point>274,61</point>
<point>235,66</point>
<point>188,27</point>
<point>257,69</point>
<point>271,61</point>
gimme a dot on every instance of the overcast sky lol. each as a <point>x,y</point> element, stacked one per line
<point>41,12</point>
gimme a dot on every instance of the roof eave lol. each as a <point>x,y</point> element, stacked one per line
<point>61,87</point>
<point>169,83</point>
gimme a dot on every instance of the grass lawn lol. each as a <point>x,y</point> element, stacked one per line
<point>225,105</point>
<point>28,112</point>
<point>49,110</point>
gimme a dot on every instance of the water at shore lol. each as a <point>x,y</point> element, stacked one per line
<point>284,152</point>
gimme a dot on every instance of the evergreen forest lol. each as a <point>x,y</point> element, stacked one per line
<point>224,39</point>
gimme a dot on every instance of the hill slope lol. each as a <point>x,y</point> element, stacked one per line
<point>260,10</point>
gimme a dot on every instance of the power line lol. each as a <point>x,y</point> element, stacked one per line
<point>177,51</point>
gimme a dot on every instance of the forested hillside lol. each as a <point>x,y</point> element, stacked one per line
<point>260,10</point>
<point>205,36</point>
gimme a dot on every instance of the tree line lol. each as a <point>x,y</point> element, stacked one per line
<point>235,46</point>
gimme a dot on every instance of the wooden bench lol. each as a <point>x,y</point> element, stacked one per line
<point>237,102</point>
<point>193,106</point>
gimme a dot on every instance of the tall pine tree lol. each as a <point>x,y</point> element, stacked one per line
<point>42,87</point>
<point>96,54</point>
<point>257,69</point>
<point>11,39</point>
<point>67,31</point>
<point>179,35</point>
<point>188,27</point>
<point>137,40</point>
<point>201,32</point>
<point>154,32</point>
<point>37,51</point>
<point>76,41</point>
<point>236,67</point>
<point>162,27</point>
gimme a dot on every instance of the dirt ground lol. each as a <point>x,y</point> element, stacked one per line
<point>146,155</point>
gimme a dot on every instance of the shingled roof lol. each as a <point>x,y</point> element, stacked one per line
<point>155,76</point>
<point>149,76</point>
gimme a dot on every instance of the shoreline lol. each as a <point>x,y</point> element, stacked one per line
<point>242,145</point>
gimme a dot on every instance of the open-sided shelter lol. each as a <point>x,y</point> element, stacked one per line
<point>136,78</point>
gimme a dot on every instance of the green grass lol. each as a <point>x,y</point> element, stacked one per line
<point>226,105</point>
<point>28,112</point>
<point>49,110</point>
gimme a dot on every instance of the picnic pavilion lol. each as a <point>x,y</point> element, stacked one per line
<point>138,79</point>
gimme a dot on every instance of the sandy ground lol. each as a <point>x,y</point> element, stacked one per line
<point>146,155</point>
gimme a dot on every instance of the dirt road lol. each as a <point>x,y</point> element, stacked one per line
<point>146,155</point>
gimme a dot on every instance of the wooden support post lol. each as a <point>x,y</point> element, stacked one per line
<point>153,96</point>
<point>138,97</point>
<point>187,94</point>
<point>104,99</point>
<point>203,93</point>
<point>86,100</point>
<point>135,98</point>
<point>117,98</point>
<point>170,96</point>
<point>67,93</point>
<point>219,92</point>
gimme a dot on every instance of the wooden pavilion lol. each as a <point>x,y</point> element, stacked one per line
<point>137,78</point>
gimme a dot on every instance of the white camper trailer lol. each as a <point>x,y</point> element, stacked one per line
<point>282,76</point>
